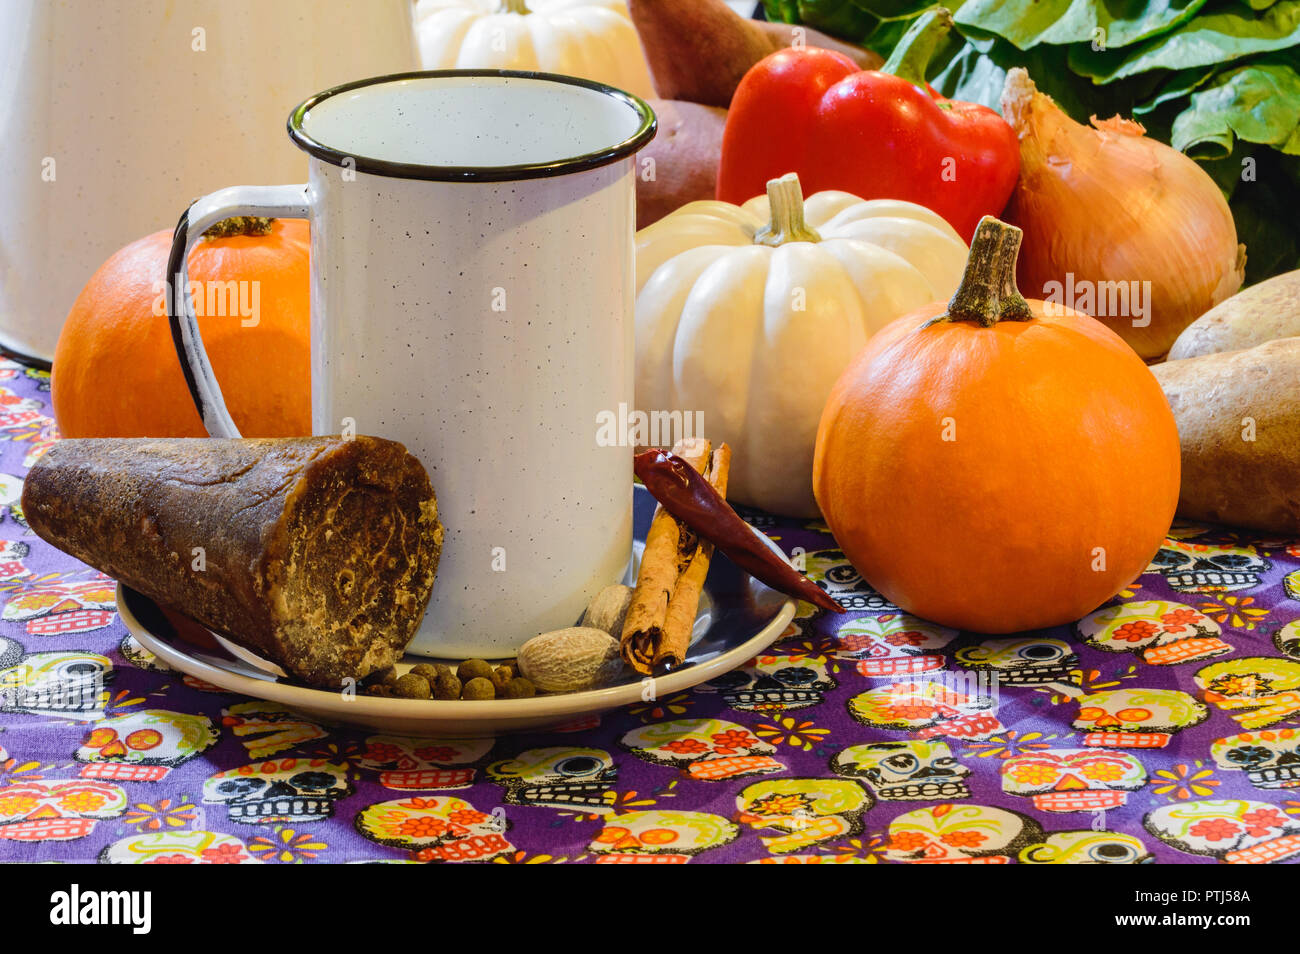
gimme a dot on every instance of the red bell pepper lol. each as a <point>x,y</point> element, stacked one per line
<point>876,133</point>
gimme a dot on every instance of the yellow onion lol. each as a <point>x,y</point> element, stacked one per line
<point>1105,211</point>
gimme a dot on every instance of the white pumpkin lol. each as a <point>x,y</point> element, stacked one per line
<point>751,323</point>
<point>593,39</point>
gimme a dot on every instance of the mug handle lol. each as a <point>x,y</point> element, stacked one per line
<point>283,201</point>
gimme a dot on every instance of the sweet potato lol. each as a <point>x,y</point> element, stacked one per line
<point>698,50</point>
<point>1254,315</point>
<point>1238,417</point>
<point>685,159</point>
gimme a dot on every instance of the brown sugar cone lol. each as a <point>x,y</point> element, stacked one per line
<point>317,553</point>
<point>668,549</point>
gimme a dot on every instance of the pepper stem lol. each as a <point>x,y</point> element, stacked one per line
<point>786,200</point>
<point>911,57</point>
<point>240,225</point>
<point>513,6</point>
<point>987,293</point>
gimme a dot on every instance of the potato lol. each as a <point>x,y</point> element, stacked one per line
<point>1238,417</point>
<point>1254,315</point>
<point>698,50</point>
<point>685,151</point>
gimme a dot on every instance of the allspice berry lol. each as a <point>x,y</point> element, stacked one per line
<point>502,675</point>
<point>518,688</point>
<point>412,686</point>
<point>479,688</point>
<point>447,686</point>
<point>428,671</point>
<point>474,669</point>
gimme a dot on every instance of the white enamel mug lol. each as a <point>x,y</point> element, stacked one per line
<point>472,282</point>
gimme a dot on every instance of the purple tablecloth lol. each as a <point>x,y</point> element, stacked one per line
<point>1159,728</point>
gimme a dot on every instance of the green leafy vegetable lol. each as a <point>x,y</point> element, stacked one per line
<point>1258,103</point>
<point>1027,23</point>
<point>1212,38</point>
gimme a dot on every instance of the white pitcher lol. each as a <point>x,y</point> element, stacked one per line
<point>472,283</point>
<point>115,113</point>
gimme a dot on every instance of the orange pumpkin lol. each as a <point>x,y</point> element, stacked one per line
<point>116,373</point>
<point>997,465</point>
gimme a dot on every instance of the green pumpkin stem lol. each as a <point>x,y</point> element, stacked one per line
<point>240,225</point>
<point>987,293</point>
<point>911,57</point>
<point>513,6</point>
<point>786,200</point>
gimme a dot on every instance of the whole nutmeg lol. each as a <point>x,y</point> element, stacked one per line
<point>569,660</point>
<point>608,610</point>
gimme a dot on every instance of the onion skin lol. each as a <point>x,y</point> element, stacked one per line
<point>1108,204</point>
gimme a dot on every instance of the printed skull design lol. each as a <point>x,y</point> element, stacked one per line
<point>413,764</point>
<point>775,682</point>
<point>1161,633</point>
<point>12,554</point>
<point>1073,780</point>
<point>1207,568</point>
<point>808,811</point>
<point>1022,660</point>
<point>930,707</point>
<point>1237,830</point>
<point>144,746</point>
<point>59,606</point>
<point>139,657</point>
<point>892,644</point>
<point>179,848</point>
<point>296,790</point>
<point>1257,690</point>
<point>1270,757</point>
<point>60,684</point>
<point>706,749</point>
<point>561,777</point>
<point>1291,585</point>
<point>660,837</point>
<point>1136,718</point>
<point>1086,848</point>
<point>277,727</point>
<point>832,571</point>
<point>437,828</point>
<point>57,810</point>
<point>1287,639</point>
<point>905,771</point>
<point>960,834</point>
<point>812,860</point>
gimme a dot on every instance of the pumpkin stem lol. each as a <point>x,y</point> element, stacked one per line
<point>911,57</point>
<point>513,6</point>
<point>987,293</point>
<point>240,225</point>
<point>786,200</point>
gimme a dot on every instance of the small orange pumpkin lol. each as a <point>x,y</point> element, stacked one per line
<point>116,373</point>
<point>997,465</point>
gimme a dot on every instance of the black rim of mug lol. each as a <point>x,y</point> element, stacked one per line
<point>408,170</point>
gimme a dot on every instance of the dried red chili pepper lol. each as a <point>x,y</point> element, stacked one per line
<point>690,498</point>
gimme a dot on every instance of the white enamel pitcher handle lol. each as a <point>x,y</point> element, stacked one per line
<point>284,201</point>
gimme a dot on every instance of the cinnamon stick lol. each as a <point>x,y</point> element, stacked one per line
<point>661,616</point>
<point>679,621</point>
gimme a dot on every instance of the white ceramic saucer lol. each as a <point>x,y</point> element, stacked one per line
<point>739,618</point>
